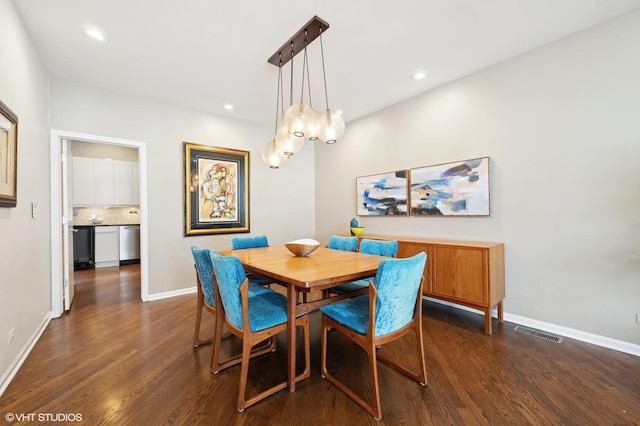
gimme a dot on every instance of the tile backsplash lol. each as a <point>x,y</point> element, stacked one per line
<point>111,215</point>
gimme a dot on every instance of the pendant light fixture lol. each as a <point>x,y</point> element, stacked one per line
<point>300,120</point>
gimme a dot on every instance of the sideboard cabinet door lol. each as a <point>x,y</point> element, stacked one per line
<point>408,249</point>
<point>459,273</point>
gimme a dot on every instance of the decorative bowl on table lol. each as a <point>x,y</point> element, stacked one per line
<point>96,220</point>
<point>358,230</point>
<point>302,247</point>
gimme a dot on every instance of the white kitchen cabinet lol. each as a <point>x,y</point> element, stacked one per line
<point>103,182</point>
<point>82,181</point>
<point>107,250</point>
<point>98,182</point>
<point>135,181</point>
<point>123,183</point>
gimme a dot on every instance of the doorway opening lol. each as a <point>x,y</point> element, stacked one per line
<point>58,220</point>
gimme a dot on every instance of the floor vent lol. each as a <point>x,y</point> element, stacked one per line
<point>538,334</point>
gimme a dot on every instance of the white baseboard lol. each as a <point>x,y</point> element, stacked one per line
<point>571,333</point>
<point>174,293</point>
<point>8,376</point>
<point>594,339</point>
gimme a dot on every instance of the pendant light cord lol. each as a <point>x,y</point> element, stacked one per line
<point>306,61</point>
<point>291,85</point>
<point>279,94</point>
<point>324,74</point>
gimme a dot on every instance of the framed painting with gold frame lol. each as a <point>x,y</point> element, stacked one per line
<point>8,157</point>
<point>216,190</point>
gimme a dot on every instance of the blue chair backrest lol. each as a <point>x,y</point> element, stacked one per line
<point>204,267</point>
<point>398,283</point>
<point>239,243</point>
<point>379,247</point>
<point>337,242</point>
<point>229,276</point>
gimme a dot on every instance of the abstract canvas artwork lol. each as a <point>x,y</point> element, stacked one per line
<point>452,189</point>
<point>382,194</point>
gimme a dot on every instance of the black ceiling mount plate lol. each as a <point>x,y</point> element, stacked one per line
<point>313,31</point>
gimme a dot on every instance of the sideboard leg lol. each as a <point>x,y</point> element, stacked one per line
<point>500,316</point>
<point>487,320</point>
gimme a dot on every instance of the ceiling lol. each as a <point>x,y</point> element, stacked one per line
<point>202,54</point>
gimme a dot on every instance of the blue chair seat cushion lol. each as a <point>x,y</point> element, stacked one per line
<point>267,310</point>
<point>353,313</point>
<point>352,286</point>
<point>256,289</point>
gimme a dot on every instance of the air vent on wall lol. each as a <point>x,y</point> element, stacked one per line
<point>538,334</point>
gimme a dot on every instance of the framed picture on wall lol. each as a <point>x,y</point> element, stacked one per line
<point>383,194</point>
<point>8,157</point>
<point>216,190</point>
<point>452,189</point>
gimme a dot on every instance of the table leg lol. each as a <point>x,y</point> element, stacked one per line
<point>291,335</point>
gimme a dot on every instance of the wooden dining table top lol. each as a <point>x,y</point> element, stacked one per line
<point>321,269</point>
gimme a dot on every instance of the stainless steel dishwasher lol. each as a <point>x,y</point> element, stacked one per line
<point>129,244</point>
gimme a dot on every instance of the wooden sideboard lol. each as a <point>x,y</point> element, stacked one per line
<point>462,272</point>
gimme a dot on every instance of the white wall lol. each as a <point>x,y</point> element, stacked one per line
<point>561,127</point>
<point>25,295</point>
<point>281,201</point>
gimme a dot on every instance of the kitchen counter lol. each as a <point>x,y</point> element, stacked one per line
<point>120,216</point>
<point>105,224</point>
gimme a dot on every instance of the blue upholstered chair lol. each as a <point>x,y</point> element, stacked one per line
<point>206,300</point>
<point>391,309</point>
<point>254,320</point>
<point>241,243</point>
<point>379,248</point>
<point>337,242</point>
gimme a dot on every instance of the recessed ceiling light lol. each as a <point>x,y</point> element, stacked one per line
<point>339,112</point>
<point>228,107</point>
<point>419,75</point>
<point>95,34</point>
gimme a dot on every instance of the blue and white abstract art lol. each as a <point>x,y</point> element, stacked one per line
<point>383,194</point>
<point>451,189</point>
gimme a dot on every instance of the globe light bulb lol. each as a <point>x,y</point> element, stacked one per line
<point>286,143</point>
<point>271,156</point>
<point>299,118</point>
<point>330,127</point>
<point>313,130</point>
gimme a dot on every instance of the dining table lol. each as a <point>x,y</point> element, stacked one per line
<point>322,269</point>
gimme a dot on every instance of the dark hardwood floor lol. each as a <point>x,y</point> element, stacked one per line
<point>116,360</point>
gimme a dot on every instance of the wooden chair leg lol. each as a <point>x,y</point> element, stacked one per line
<point>243,401</point>
<point>374,408</point>
<point>244,373</point>
<point>422,379</point>
<point>370,348</point>
<point>217,365</point>
<point>197,341</point>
